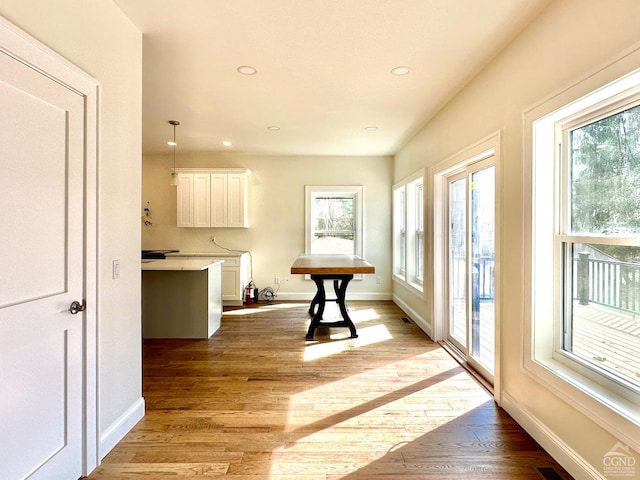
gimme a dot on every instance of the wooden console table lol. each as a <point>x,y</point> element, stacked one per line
<point>340,269</point>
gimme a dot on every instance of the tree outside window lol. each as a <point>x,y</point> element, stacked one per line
<point>334,220</point>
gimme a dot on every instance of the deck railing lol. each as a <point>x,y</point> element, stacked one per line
<point>482,281</point>
<point>607,282</point>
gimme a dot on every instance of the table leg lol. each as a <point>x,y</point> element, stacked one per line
<point>316,299</point>
<point>341,293</point>
<point>320,298</point>
<point>340,283</point>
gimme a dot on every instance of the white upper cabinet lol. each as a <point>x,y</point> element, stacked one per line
<point>212,198</point>
<point>220,204</point>
<point>236,200</point>
<point>185,200</point>
<point>201,199</point>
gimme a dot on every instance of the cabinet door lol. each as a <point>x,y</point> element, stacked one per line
<point>201,200</point>
<point>218,200</point>
<point>185,200</point>
<point>230,285</point>
<point>236,200</point>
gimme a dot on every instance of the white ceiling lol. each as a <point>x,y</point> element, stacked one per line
<point>323,69</point>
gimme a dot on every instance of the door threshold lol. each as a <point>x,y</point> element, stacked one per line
<point>458,357</point>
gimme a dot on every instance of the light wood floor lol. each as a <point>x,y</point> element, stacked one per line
<point>257,401</point>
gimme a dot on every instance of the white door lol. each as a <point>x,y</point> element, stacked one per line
<point>42,125</point>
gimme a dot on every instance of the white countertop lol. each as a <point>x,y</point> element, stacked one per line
<point>204,254</point>
<point>178,263</point>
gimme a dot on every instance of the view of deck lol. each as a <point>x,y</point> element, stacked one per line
<point>605,336</point>
<point>609,337</point>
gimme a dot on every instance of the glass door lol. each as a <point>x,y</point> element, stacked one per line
<point>471,252</point>
<point>458,262</point>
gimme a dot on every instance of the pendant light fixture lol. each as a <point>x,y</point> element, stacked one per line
<point>174,176</point>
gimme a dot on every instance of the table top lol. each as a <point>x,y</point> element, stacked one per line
<point>328,264</point>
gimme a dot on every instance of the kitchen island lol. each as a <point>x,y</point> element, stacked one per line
<point>236,271</point>
<point>181,298</point>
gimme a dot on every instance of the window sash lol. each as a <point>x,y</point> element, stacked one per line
<point>584,360</point>
<point>419,234</point>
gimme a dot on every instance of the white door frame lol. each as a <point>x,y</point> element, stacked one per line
<point>26,49</point>
<point>489,146</point>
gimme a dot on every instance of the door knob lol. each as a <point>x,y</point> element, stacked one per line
<point>77,307</point>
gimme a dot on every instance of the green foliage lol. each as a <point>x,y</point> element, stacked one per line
<point>623,253</point>
<point>334,214</point>
<point>605,173</point>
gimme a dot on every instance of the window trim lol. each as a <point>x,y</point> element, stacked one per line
<point>607,86</point>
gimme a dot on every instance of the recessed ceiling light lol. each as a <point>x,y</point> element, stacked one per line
<point>273,127</point>
<point>171,144</point>
<point>227,143</point>
<point>247,70</point>
<point>400,70</point>
<point>371,128</point>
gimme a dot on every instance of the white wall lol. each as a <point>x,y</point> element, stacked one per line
<point>276,213</point>
<point>97,37</point>
<point>568,41</point>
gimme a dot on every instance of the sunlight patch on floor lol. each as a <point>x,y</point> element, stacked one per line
<point>364,315</point>
<point>341,341</point>
<point>261,308</point>
<point>418,405</point>
<point>332,313</point>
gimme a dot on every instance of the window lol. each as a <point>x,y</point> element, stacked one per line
<point>408,231</point>
<point>399,232</point>
<point>599,242</point>
<point>419,222</point>
<point>584,292</point>
<point>334,219</point>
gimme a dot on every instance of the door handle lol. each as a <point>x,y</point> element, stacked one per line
<point>77,307</point>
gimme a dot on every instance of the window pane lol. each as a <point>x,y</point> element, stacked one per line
<point>403,255</point>
<point>419,255</point>
<point>419,231</point>
<point>605,175</point>
<point>333,225</point>
<point>458,261</point>
<point>603,314</point>
<point>483,253</point>
<point>402,242</point>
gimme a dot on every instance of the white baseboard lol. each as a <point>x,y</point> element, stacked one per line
<point>573,463</point>
<point>307,297</point>
<point>118,429</point>
<point>422,322</point>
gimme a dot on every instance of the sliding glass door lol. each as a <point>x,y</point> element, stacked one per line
<point>470,325</point>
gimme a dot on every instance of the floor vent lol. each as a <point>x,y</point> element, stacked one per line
<point>406,320</point>
<point>548,473</point>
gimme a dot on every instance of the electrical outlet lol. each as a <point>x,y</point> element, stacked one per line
<point>276,280</point>
<point>116,269</point>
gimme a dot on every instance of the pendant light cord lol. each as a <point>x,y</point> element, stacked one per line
<point>174,179</point>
